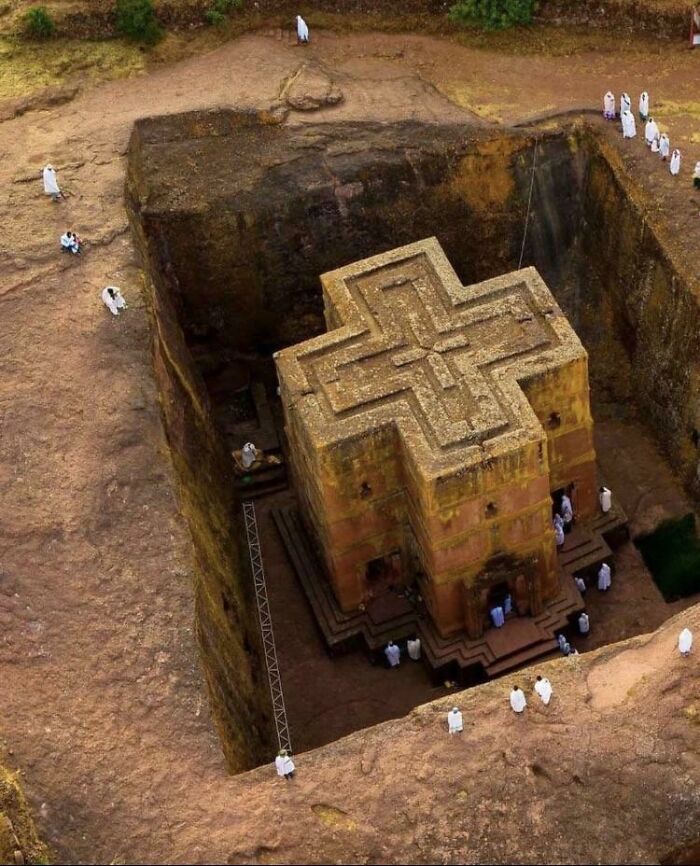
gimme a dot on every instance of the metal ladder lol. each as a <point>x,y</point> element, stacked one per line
<point>268,635</point>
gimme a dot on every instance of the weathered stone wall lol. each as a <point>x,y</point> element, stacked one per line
<point>225,617</point>
<point>251,213</point>
<point>637,312</point>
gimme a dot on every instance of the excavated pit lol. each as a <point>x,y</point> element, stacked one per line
<point>237,216</point>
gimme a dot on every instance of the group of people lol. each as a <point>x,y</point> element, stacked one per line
<point>455,720</point>
<point>657,141</point>
<point>70,242</point>
<point>392,651</point>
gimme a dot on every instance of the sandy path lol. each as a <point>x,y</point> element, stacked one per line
<point>102,701</point>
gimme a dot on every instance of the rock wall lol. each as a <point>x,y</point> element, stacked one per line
<point>225,612</point>
<point>251,213</point>
<point>637,312</point>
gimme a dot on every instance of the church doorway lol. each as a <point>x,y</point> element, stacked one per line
<point>383,573</point>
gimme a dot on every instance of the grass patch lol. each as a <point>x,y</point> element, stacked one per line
<point>672,555</point>
<point>37,23</point>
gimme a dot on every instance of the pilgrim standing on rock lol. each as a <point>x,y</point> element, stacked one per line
<point>605,499</point>
<point>284,764</point>
<point>643,106</point>
<point>685,642</point>
<point>517,700</point>
<point>455,722</point>
<point>651,131</point>
<point>302,31</point>
<point>664,146</point>
<point>543,687</point>
<point>629,126</point>
<point>675,166</point>
<point>51,186</point>
<point>625,103</point>
<point>609,106</point>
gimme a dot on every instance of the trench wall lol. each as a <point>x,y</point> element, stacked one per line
<point>637,312</point>
<point>225,612</point>
<point>248,259</point>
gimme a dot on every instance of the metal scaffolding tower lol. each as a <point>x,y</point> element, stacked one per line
<point>268,635</point>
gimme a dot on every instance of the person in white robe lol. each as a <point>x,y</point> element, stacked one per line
<point>455,723</point>
<point>413,648</point>
<point>564,644</point>
<point>284,764</point>
<point>51,186</point>
<point>629,126</point>
<point>604,577</point>
<point>302,31</point>
<point>584,623</point>
<point>675,166</point>
<point>249,454</point>
<point>567,512</point>
<point>696,175</point>
<point>580,585</point>
<point>543,687</point>
<point>643,106</point>
<point>685,642</point>
<point>497,617</point>
<point>508,605</point>
<point>625,103</point>
<point>393,654</point>
<point>654,147</point>
<point>664,146</point>
<point>558,524</point>
<point>112,297</point>
<point>70,243</point>
<point>605,499</point>
<point>609,106</point>
<point>517,700</point>
<point>651,131</point>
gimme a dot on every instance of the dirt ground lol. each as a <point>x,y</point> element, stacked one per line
<point>103,706</point>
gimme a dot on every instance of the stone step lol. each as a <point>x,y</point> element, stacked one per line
<point>582,550</point>
<point>524,657</point>
<point>337,627</point>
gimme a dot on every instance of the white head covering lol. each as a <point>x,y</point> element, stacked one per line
<point>675,162</point>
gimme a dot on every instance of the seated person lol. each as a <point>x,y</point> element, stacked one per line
<point>71,243</point>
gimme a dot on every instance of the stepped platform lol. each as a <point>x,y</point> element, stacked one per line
<point>395,617</point>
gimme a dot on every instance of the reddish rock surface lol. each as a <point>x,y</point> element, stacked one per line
<point>102,698</point>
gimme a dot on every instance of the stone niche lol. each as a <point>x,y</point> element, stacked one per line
<point>429,428</point>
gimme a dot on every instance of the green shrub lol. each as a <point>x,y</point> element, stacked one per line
<point>672,555</point>
<point>38,24</point>
<point>493,14</point>
<point>214,17</point>
<point>220,9</point>
<point>136,19</point>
